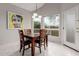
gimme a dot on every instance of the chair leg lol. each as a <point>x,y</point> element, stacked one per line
<point>44,44</point>
<point>46,40</point>
<point>20,47</point>
<point>23,51</point>
<point>40,47</point>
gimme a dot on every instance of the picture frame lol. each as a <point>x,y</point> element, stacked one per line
<point>15,20</point>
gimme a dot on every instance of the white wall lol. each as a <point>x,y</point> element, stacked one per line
<point>8,36</point>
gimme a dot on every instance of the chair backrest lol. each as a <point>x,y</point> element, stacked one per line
<point>42,33</point>
<point>27,31</point>
<point>21,35</point>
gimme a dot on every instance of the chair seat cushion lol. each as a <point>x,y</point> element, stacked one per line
<point>37,41</point>
<point>27,42</point>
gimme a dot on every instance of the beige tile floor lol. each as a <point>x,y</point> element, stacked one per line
<point>53,49</point>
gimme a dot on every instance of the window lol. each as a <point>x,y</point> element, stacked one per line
<point>51,23</point>
<point>37,24</point>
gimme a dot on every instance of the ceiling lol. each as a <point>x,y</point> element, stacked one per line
<point>29,6</point>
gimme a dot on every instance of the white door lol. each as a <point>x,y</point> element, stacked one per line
<point>69,23</point>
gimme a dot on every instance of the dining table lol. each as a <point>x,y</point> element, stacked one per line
<point>33,38</point>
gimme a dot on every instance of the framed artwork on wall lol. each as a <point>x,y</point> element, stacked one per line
<point>15,21</point>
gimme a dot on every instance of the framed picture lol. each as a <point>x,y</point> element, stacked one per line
<point>15,21</point>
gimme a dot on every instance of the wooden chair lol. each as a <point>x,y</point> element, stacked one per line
<point>23,42</point>
<point>41,40</point>
<point>27,32</point>
<point>37,41</point>
<point>45,36</point>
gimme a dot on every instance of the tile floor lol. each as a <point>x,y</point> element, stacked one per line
<point>53,49</point>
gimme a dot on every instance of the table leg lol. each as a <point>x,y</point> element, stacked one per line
<point>33,46</point>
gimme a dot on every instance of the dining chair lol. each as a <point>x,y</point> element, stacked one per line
<point>41,40</point>
<point>37,41</point>
<point>46,37</point>
<point>24,41</point>
<point>27,32</point>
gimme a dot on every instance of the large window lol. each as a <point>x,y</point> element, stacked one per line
<point>51,23</point>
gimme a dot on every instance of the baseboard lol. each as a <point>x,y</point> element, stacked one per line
<point>71,47</point>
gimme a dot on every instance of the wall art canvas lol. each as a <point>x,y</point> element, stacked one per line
<point>15,21</point>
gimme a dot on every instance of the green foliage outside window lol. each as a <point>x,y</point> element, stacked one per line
<point>36,24</point>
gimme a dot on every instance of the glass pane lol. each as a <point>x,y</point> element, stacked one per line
<point>36,31</point>
<point>51,21</point>
<point>37,22</point>
<point>48,32</point>
<point>55,32</point>
<point>70,26</point>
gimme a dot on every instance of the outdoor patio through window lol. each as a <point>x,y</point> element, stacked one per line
<point>50,23</point>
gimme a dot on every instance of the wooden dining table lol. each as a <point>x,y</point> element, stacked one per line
<point>33,37</point>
